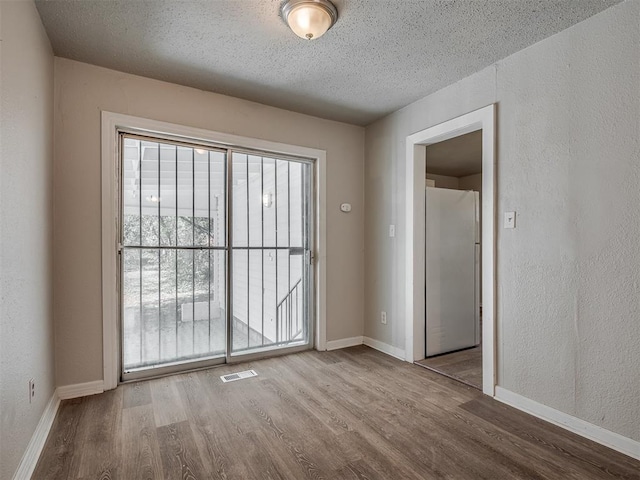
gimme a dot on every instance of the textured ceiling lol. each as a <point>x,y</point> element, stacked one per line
<point>380,55</point>
<point>457,157</point>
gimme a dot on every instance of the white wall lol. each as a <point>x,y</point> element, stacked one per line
<point>26,162</point>
<point>81,92</point>
<point>568,298</point>
<point>444,181</point>
<point>471,182</point>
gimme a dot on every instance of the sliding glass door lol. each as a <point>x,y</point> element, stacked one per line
<point>270,252</point>
<point>199,285</point>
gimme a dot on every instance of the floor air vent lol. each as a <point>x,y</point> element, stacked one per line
<point>232,377</point>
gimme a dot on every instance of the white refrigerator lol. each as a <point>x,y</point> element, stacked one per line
<point>452,256</point>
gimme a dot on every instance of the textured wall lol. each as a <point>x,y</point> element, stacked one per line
<point>26,162</point>
<point>568,278</point>
<point>82,91</point>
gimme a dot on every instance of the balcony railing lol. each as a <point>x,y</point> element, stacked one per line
<point>288,313</point>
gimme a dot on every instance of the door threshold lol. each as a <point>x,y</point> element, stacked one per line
<point>452,377</point>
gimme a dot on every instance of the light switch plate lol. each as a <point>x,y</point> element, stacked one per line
<point>392,231</point>
<point>345,207</point>
<point>509,219</point>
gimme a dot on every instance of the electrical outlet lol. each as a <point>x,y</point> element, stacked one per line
<point>383,317</point>
<point>32,390</point>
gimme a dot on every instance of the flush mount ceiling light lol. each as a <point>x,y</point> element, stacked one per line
<point>309,19</point>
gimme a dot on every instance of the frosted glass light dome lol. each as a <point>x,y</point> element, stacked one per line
<point>309,19</point>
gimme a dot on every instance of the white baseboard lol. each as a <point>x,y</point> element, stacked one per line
<point>36,444</point>
<point>384,348</point>
<point>80,390</point>
<point>585,429</point>
<point>370,342</point>
<point>344,343</point>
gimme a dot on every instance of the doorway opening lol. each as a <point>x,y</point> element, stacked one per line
<point>483,121</point>
<point>453,252</point>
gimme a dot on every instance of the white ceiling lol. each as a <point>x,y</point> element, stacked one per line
<point>380,55</point>
<point>457,157</point>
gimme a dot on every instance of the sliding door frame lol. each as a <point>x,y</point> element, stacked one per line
<point>112,125</point>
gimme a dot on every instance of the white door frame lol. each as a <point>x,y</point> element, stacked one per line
<point>110,208</point>
<point>482,119</point>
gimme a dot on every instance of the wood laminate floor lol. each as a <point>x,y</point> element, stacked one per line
<point>465,365</point>
<point>347,414</point>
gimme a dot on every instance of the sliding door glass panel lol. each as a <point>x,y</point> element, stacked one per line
<point>217,336</point>
<point>168,302</point>
<point>150,305</point>
<point>282,203</point>
<point>256,314</point>
<point>268,199</point>
<point>186,303</point>
<point>270,302</point>
<point>270,252</point>
<point>185,194</point>
<point>131,288</point>
<point>167,198</point>
<point>173,253</point>
<point>240,301</point>
<point>282,290</point>
<point>217,199</point>
<point>296,299</point>
<point>297,202</point>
